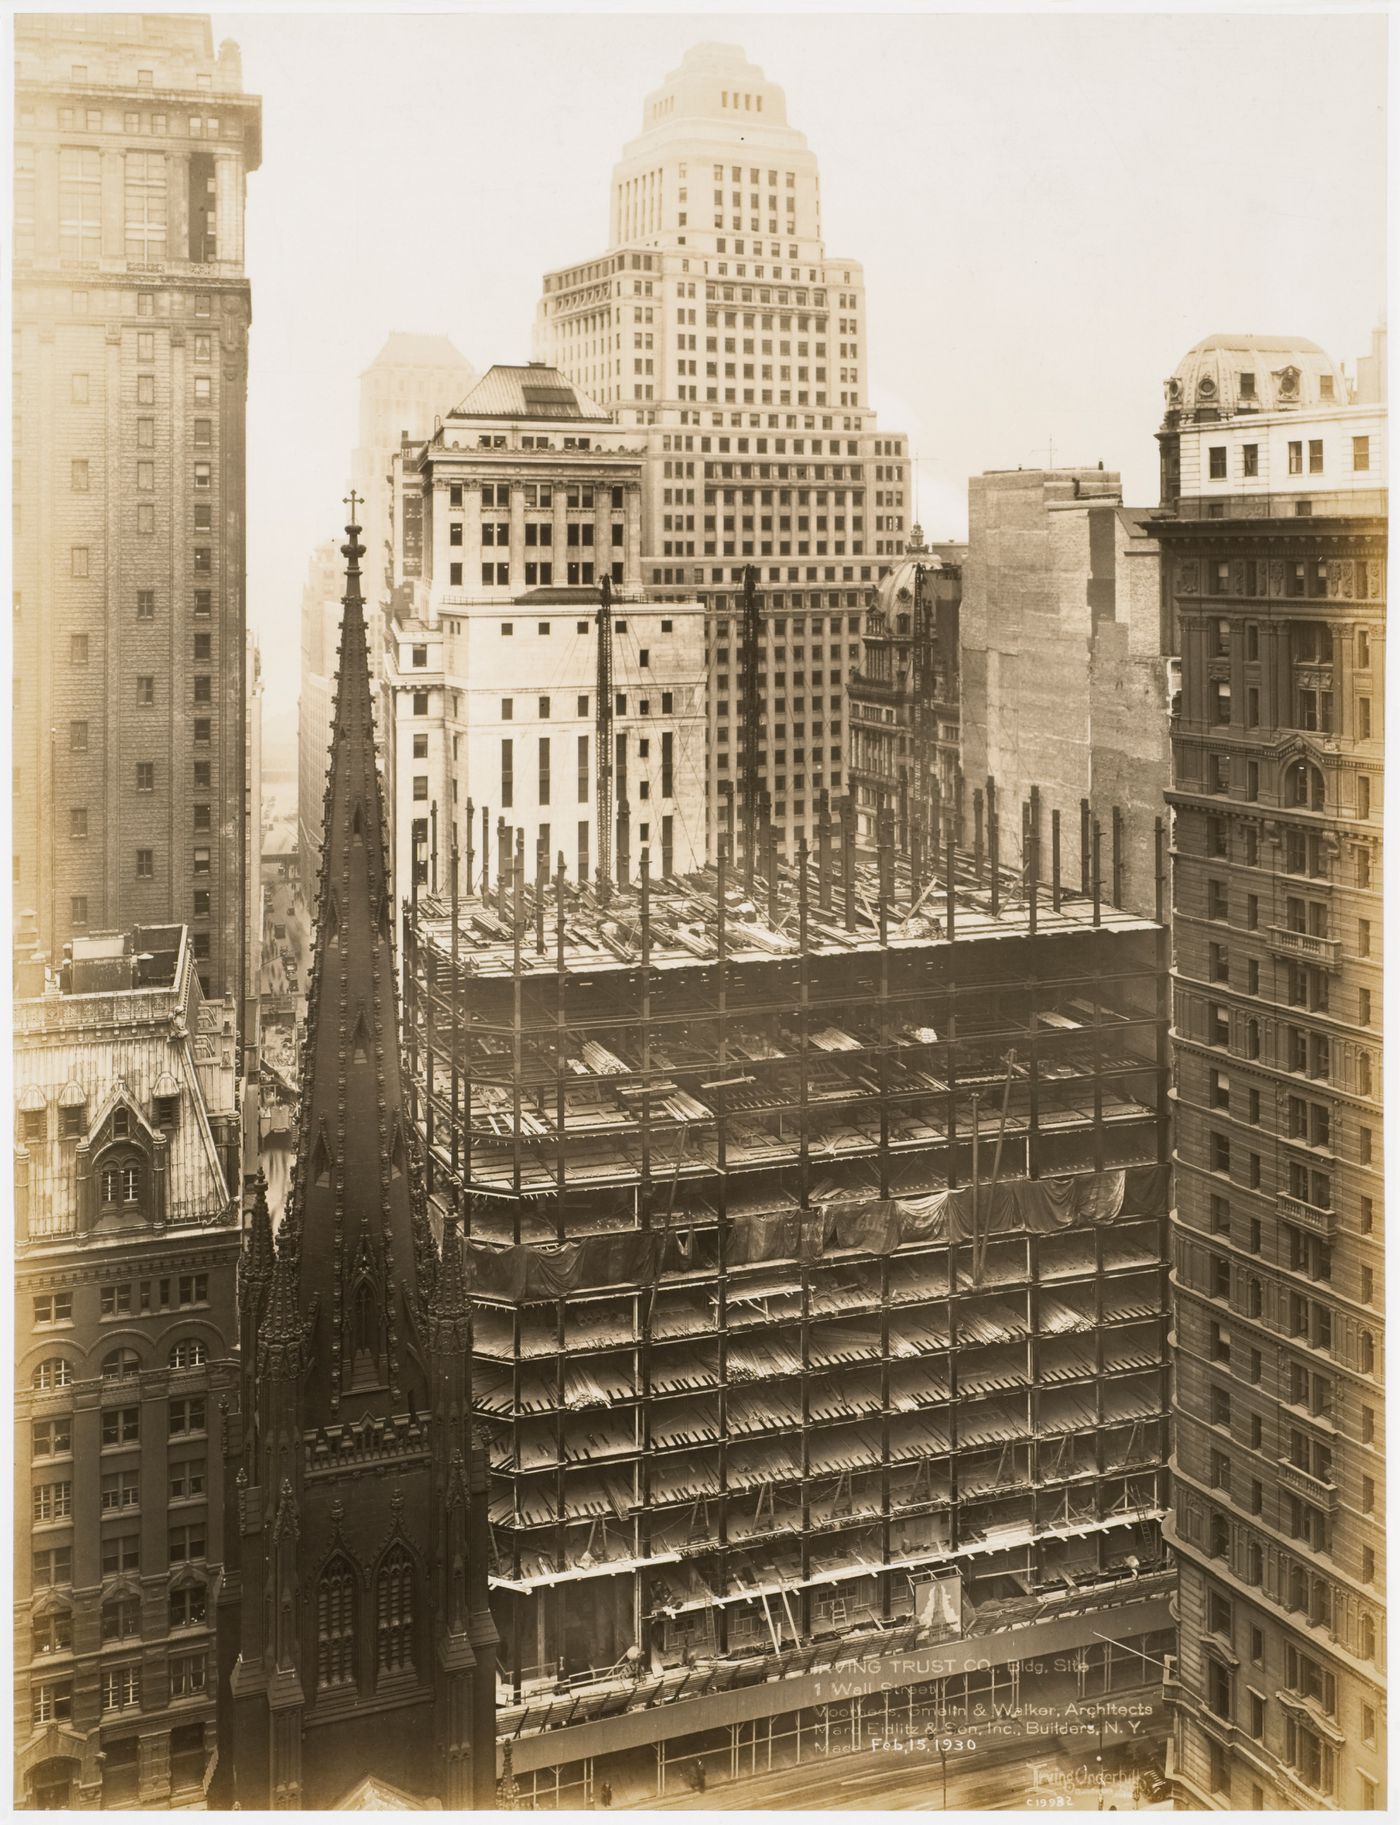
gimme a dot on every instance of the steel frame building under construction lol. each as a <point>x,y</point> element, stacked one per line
<point>817,1233</point>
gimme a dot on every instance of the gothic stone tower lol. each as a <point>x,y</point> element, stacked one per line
<point>359,1640</point>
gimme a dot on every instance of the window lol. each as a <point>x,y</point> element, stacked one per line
<point>120,1553</point>
<point>1219,1692</point>
<point>507,774</point>
<point>145,689</point>
<point>394,1613</point>
<point>187,1542</point>
<point>121,1425</point>
<point>79,204</point>
<point>1250,453</point>
<point>121,1489</point>
<point>53,1372</point>
<point>145,864</point>
<point>145,776</point>
<point>52,1701</point>
<point>121,1618</point>
<point>1295,458</point>
<point>121,1689</point>
<point>188,1674</point>
<point>187,1480</point>
<point>335,1626</point>
<point>53,1308</point>
<point>118,1364</point>
<point>53,1501</point>
<point>1360,454</point>
<point>1314,456</point>
<point>145,208</point>
<point>187,1415</point>
<point>52,1633</point>
<point>189,1605</point>
<point>189,1353</point>
<point>194,1289</point>
<point>52,1437</point>
<point>1217,462</point>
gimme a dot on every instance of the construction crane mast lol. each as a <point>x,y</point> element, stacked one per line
<point>749,787</point>
<point>603,727</point>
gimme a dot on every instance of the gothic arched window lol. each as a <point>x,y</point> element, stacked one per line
<point>335,1626</point>
<point>394,1612</point>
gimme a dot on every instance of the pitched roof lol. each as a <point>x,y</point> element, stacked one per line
<point>532,391</point>
<point>372,1795</point>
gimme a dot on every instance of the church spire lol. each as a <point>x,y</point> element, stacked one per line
<point>350,1222</point>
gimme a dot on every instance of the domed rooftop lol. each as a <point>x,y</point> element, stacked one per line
<point>894,594</point>
<point>1225,375</point>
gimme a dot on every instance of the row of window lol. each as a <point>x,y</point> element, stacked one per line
<point>53,1437</point>
<point>52,1699</point>
<point>186,1542</point>
<point>579,574</point>
<point>52,1632</point>
<point>201,556</point>
<point>117,1365</point>
<point>577,495</point>
<point>1249,458</point>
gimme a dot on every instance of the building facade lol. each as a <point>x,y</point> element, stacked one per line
<point>1273,536</point>
<point>126,1227</point>
<point>905,750</point>
<point>133,146</point>
<point>720,331</point>
<point>507,523</point>
<point>1066,674</point>
<point>808,1420</point>
<point>355,1639</point>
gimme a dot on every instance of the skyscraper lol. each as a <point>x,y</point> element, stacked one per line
<point>413,381</point>
<point>133,145</point>
<point>719,325</point>
<point>1273,538</point>
<point>506,521</point>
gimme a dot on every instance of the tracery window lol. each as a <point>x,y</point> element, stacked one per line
<point>335,1626</point>
<point>394,1612</point>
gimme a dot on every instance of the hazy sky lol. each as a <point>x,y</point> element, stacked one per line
<point>1050,210</point>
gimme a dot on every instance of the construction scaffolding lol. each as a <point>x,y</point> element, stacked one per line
<point>818,1248</point>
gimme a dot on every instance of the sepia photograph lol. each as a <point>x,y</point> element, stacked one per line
<point>696,911</point>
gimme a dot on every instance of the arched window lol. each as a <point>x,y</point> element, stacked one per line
<point>53,1372</point>
<point>189,1353</point>
<point>394,1612</point>
<point>121,1182</point>
<point>335,1626</point>
<point>117,1363</point>
<point>1304,787</point>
